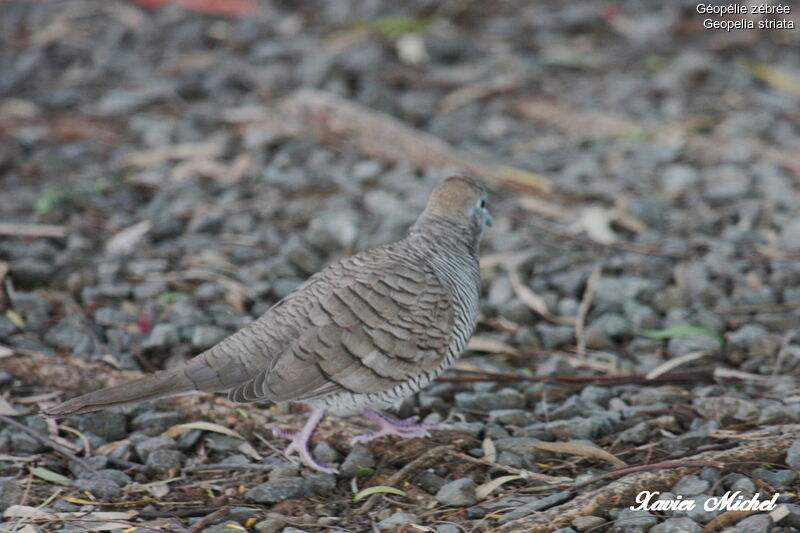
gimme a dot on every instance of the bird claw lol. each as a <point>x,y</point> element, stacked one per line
<point>299,444</point>
<point>406,428</point>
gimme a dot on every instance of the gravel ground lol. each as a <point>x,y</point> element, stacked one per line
<point>176,214</point>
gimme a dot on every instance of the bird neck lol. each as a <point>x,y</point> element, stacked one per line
<point>437,231</point>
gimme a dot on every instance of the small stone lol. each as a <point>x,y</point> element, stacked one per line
<point>699,513</point>
<point>325,453</point>
<point>222,443</point>
<point>511,417</point>
<point>597,395</point>
<point>333,231</point>
<point>727,409</point>
<point>760,523</point>
<point>204,337</point>
<point>163,461</point>
<point>612,293</point>
<point>301,254</point>
<point>242,514</point>
<point>690,486</point>
<point>430,481</point>
<point>447,528</point>
<point>778,478</point>
<point>30,272</point>
<point>236,460</point>
<point>109,425</point>
<point>638,434</point>
<point>489,401</point>
<point>359,457</point>
<point>68,337</point>
<point>397,520</point>
<point>223,527</point>
<point>157,422</point>
<point>102,487</point>
<point>793,455</point>
<point>161,337</point>
<point>518,312</point>
<point>273,523</point>
<point>677,525</point>
<point>555,336</point>
<point>790,236</point>
<point>290,488</point>
<point>147,446</point>
<point>282,470</point>
<point>679,180</point>
<point>10,492</point>
<point>460,492</point>
<point>584,523</point>
<point>743,484</point>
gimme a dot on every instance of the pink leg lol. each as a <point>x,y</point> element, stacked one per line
<point>300,441</point>
<point>391,426</point>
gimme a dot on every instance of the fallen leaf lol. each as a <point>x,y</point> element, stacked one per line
<point>178,429</point>
<point>777,78</point>
<point>665,367</point>
<point>378,489</point>
<point>489,449</point>
<point>7,409</point>
<point>679,332</point>
<point>483,491</point>
<point>26,511</point>
<point>582,450</point>
<point>487,345</point>
<point>125,241</point>
<point>596,222</point>
<point>52,477</point>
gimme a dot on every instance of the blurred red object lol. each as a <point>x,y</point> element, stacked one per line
<point>230,8</point>
<point>145,323</point>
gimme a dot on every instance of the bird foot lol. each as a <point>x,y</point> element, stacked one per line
<point>300,441</point>
<point>406,428</point>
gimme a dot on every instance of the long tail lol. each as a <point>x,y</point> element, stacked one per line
<point>158,385</point>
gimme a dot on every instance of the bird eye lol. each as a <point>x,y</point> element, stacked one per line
<point>482,203</point>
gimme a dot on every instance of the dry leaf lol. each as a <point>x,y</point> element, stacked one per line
<point>582,450</point>
<point>483,491</point>
<point>596,222</point>
<point>666,366</point>
<point>247,449</point>
<point>547,209</point>
<point>26,511</point>
<point>125,241</point>
<point>156,156</point>
<point>7,409</point>
<point>778,78</point>
<point>487,345</point>
<point>178,429</point>
<point>489,449</point>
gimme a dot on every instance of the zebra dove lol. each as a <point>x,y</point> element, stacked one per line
<point>360,335</point>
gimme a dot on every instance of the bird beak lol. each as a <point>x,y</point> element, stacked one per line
<point>489,219</point>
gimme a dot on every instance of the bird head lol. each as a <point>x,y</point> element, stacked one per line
<point>461,200</point>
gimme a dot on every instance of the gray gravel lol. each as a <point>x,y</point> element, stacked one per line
<point>633,111</point>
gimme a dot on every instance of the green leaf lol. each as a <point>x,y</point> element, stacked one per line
<point>378,489</point>
<point>393,26</point>
<point>51,199</point>
<point>361,472</point>
<point>679,331</point>
<point>52,477</point>
<point>172,297</point>
<point>364,471</point>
